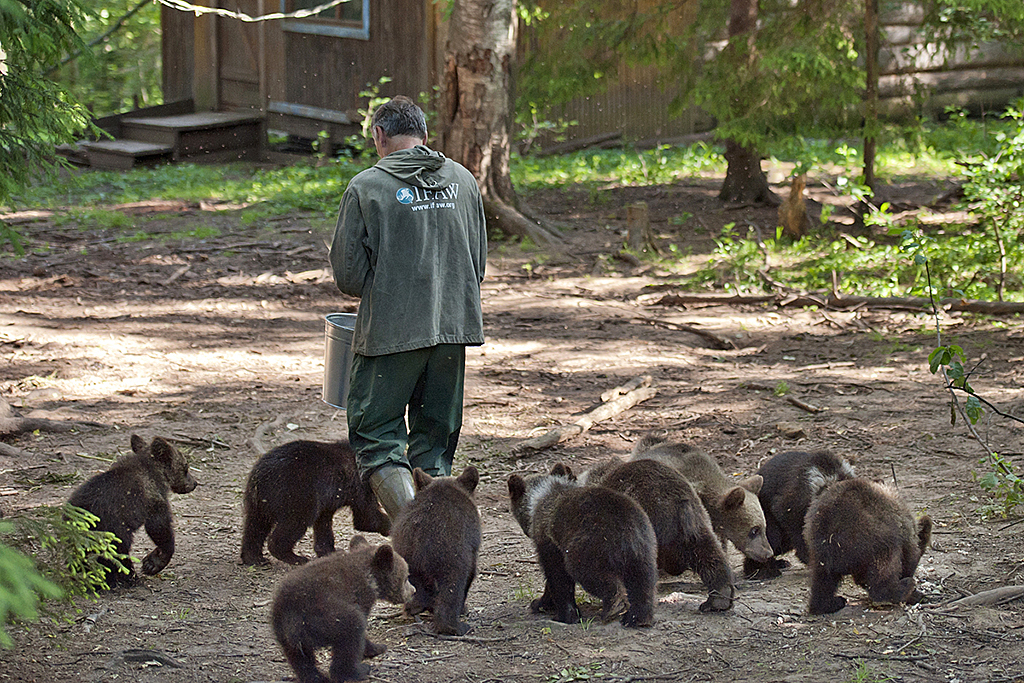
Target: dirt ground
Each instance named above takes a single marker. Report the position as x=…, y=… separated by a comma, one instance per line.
x=218, y=344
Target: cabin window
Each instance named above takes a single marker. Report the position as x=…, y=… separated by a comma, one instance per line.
x=347, y=19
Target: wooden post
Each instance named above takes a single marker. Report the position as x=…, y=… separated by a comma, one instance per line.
x=204, y=86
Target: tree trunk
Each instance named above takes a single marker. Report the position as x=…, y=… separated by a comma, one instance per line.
x=476, y=112
x=871, y=90
x=744, y=180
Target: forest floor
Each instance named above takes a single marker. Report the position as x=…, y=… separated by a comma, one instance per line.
x=218, y=343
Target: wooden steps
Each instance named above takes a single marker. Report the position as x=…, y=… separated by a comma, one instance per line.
x=202, y=136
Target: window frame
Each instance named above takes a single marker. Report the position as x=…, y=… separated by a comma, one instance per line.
x=328, y=27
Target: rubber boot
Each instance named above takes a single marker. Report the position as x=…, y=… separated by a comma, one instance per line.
x=393, y=487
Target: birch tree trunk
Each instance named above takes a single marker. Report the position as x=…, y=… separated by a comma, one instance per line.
x=476, y=111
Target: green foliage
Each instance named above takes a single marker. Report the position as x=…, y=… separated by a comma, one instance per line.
x=122, y=71
x=592, y=168
x=1003, y=483
x=35, y=112
x=66, y=548
x=762, y=89
x=994, y=192
x=570, y=674
x=362, y=144
x=21, y=587
x=950, y=359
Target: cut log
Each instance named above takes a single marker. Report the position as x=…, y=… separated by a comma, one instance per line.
x=603, y=412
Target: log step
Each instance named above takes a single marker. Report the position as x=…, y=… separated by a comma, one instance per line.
x=125, y=154
x=202, y=134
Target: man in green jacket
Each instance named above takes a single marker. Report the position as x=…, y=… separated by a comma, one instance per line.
x=411, y=242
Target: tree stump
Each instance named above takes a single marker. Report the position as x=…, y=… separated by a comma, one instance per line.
x=638, y=223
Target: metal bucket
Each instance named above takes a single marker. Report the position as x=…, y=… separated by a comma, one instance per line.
x=337, y=357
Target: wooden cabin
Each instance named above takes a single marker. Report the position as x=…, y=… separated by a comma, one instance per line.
x=304, y=75
x=223, y=75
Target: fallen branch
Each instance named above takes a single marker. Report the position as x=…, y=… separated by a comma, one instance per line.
x=847, y=302
x=602, y=412
x=989, y=598
x=804, y=406
x=257, y=442
x=13, y=423
x=635, y=383
x=717, y=342
x=12, y=451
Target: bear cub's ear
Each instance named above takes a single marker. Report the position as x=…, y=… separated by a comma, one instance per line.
x=469, y=478
x=384, y=559
x=357, y=542
x=924, y=532
x=562, y=470
x=733, y=498
x=161, y=450
x=753, y=484
x=421, y=479
x=516, y=487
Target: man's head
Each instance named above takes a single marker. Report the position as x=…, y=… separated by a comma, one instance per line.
x=398, y=124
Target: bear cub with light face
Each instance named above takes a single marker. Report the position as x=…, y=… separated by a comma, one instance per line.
x=438, y=533
x=298, y=485
x=862, y=529
x=599, y=538
x=135, y=492
x=326, y=602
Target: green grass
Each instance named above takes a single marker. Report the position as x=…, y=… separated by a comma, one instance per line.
x=962, y=259
x=300, y=187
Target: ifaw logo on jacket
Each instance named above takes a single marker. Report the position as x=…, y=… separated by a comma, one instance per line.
x=422, y=199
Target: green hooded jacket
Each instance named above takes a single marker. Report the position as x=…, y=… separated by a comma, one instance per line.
x=411, y=242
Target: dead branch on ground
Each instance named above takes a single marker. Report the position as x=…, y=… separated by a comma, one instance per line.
x=12, y=423
x=605, y=411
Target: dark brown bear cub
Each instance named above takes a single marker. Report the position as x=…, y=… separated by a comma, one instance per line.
x=859, y=528
x=298, y=485
x=135, y=492
x=792, y=480
x=438, y=534
x=681, y=524
x=326, y=603
x=599, y=538
x=733, y=507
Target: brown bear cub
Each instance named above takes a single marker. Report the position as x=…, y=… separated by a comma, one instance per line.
x=734, y=509
x=438, y=534
x=326, y=603
x=298, y=485
x=681, y=524
x=599, y=538
x=859, y=528
x=792, y=480
x=135, y=492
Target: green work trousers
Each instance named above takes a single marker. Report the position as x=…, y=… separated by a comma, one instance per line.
x=429, y=384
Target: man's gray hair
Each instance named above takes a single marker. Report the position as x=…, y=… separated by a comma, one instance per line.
x=400, y=116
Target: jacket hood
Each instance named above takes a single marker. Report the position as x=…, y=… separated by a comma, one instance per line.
x=419, y=166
